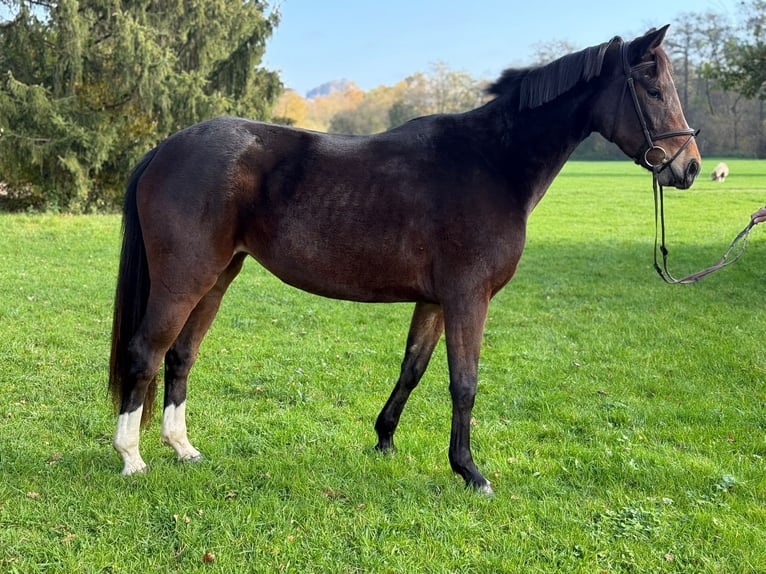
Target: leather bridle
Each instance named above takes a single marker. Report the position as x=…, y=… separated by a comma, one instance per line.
x=656, y=158
x=656, y=165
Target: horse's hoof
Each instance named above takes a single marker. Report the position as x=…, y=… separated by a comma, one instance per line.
x=140, y=468
x=192, y=456
x=385, y=448
x=486, y=490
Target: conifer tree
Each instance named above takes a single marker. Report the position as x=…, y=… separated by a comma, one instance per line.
x=88, y=86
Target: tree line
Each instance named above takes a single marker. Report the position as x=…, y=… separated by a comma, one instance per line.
x=88, y=86
x=346, y=108
x=719, y=71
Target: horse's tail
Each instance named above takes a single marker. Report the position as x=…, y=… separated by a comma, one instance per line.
x=130, y=297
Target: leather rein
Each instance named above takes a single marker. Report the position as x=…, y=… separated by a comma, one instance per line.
x=656, y=158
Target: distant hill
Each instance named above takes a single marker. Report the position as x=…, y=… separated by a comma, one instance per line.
x=328, y=88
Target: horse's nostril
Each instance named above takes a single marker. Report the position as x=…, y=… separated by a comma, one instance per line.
x=693, y=168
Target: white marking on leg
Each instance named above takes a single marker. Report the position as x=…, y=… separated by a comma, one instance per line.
x=487, y=489
x=126, y=441
x=174, y=432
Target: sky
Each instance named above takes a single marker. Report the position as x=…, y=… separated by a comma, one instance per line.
x=380, y=42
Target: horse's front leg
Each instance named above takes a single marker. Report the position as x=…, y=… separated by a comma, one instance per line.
x=464, y=328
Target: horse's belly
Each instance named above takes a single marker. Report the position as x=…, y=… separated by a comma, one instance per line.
x=343, y=274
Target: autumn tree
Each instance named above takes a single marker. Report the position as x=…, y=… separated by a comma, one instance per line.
x=322, y=109
x=371, y=115
x=87, y=86
x=290, y=109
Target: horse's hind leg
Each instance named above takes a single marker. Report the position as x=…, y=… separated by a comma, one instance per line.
x=164, y=318
x=425, y=330
x=180, y=358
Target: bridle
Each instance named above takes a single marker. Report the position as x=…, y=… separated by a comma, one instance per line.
x=656, y=158
x=652, y=149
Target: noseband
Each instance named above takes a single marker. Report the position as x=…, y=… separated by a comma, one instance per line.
x=656, y=158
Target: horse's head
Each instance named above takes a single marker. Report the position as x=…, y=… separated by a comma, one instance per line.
x=639, y=110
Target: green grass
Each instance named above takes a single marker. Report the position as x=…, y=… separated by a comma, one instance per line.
x=621, y=421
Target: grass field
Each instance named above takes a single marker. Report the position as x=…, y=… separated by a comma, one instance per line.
x=621, y=421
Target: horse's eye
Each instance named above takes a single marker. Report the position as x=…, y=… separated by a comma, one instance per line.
x=654, y=93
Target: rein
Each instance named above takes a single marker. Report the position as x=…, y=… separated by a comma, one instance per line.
x=656, y=158
x=659, y=243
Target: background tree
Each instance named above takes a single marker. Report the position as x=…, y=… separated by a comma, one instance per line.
x=740, y=70
x=545, y=52
x=441, y=91
x=743, y=65
x=87, y=86
x=290, y=109
x=371, y=115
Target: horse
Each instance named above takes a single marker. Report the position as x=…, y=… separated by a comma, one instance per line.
x=720, y=173
x=432, y=212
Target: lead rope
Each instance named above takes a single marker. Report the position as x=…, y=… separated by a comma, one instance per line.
x=657, y=168
x=659, y=228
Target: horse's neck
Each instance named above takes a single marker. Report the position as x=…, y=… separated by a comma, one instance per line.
x=535, y=144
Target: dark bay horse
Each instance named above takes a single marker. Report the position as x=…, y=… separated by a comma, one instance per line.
x=432, y=212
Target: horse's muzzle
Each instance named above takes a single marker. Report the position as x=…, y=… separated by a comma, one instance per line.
x=678, y=174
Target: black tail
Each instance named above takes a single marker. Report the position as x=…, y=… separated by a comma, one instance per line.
x=131, y=297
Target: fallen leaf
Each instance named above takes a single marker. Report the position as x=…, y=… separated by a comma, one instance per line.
x=669, y=557
x=208, y=557
x=33, y=495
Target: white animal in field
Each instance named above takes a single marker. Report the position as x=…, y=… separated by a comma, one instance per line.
x=720, y=172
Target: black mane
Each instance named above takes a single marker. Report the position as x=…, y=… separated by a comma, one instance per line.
x=538, y=85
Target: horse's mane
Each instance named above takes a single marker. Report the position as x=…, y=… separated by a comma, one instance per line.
x=538, y=85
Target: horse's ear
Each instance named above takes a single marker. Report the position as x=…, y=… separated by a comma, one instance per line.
x=642, y=48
